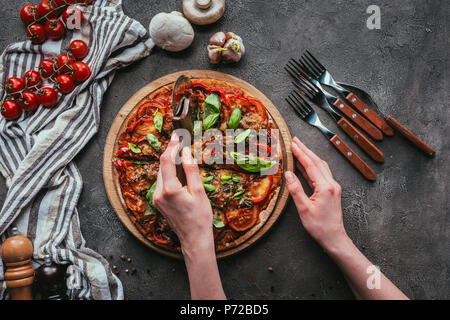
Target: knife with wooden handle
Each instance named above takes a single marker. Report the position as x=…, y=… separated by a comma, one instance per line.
x=354, y=159
x=410, y=136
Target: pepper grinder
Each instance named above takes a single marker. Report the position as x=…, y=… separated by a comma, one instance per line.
x=17, y=251
x=50, y=280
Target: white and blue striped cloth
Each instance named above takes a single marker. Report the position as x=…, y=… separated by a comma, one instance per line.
x=37, y=150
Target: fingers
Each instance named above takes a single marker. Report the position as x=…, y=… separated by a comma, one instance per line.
x=193, y=179
x=167, y=166
x=313, y=172
x=295, y=188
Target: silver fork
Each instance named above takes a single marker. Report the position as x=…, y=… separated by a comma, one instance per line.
x=325, y=99
x=306, y=87
x=320, y=73
x=308, y=114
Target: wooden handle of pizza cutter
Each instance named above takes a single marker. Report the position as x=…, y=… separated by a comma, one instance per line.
x=354, y=159
x=362, y=122
x=410, y=136
x=361, y=140
x=370, y=114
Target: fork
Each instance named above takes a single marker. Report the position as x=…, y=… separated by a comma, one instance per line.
x=307, y=113
x=305, y=87
x=320, y=73
x=325, y=99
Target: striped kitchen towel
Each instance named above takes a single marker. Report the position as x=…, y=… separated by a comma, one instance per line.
x=37, y=150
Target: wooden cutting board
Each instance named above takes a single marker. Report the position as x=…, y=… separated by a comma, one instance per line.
x=111, y=180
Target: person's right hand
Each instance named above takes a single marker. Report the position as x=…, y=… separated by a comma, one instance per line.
x=321, y=214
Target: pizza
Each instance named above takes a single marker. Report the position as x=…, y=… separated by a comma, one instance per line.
x=242, y=195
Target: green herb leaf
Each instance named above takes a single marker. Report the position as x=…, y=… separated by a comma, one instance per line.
x=210, y=121
x=134, y=148
x=209, y=187
x=251, y=163
x=212, y=103
x=217, y=222
x=149, y=196
x=242, y=136
x=208, y=179
x=239, y=194
x=225, y=177
x=154, y=142
x=236, y=179
x=235, y=118
x=158, y=120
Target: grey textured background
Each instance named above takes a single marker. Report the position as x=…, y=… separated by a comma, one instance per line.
x=401, y=222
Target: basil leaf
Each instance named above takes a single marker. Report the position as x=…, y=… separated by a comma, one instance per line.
x=149, y=196
x=246, y=162
x=154, y=142
x=209, y=187
x=217, y=222
x=236, y=179
x=235, y=118
x=225, y=177
x=239, y=194
x=158, y=120
x=242, y=136
x=208, y=179
x=212, y=103
x=134, y=148
x=210, y=120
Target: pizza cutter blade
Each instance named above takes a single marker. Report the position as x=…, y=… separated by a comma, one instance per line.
x=182, y=113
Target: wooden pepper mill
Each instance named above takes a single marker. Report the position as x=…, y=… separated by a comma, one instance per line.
x=50, y=280
x=17, y=251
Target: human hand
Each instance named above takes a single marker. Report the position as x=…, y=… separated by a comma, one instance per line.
x=186, y=208
x=321, y=214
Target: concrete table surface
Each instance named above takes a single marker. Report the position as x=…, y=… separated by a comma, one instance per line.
x=401, y=222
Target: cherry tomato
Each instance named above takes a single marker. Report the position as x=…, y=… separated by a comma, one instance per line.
x=28, y=101
x=14, y=85
x=54, y=29
x=78, y=48
x=65, y=62
x=46, y=68
x=45, y=8
x=72, y=15
x=10, y=110
x=47, y=97
x=31, y=78
x=65, y=83
x=82, y=71
x=36, y=33
x=27, y=13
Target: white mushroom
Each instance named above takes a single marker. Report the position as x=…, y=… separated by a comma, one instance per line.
x=225, y=48
x=203, y=11
x=171, y=31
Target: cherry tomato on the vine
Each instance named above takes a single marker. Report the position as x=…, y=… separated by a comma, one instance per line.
x=81, y=71
x=64, y=83
x=14, y=85
x=54, y=29
x=36, y=33
x=31, y=78
x=45, y=7
x=47, y=97
x=46, y=68
x=27, y=13
x=71, y=16
x=10, y=110
x=65, y=62
x=79, y=49
x=28, y=101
